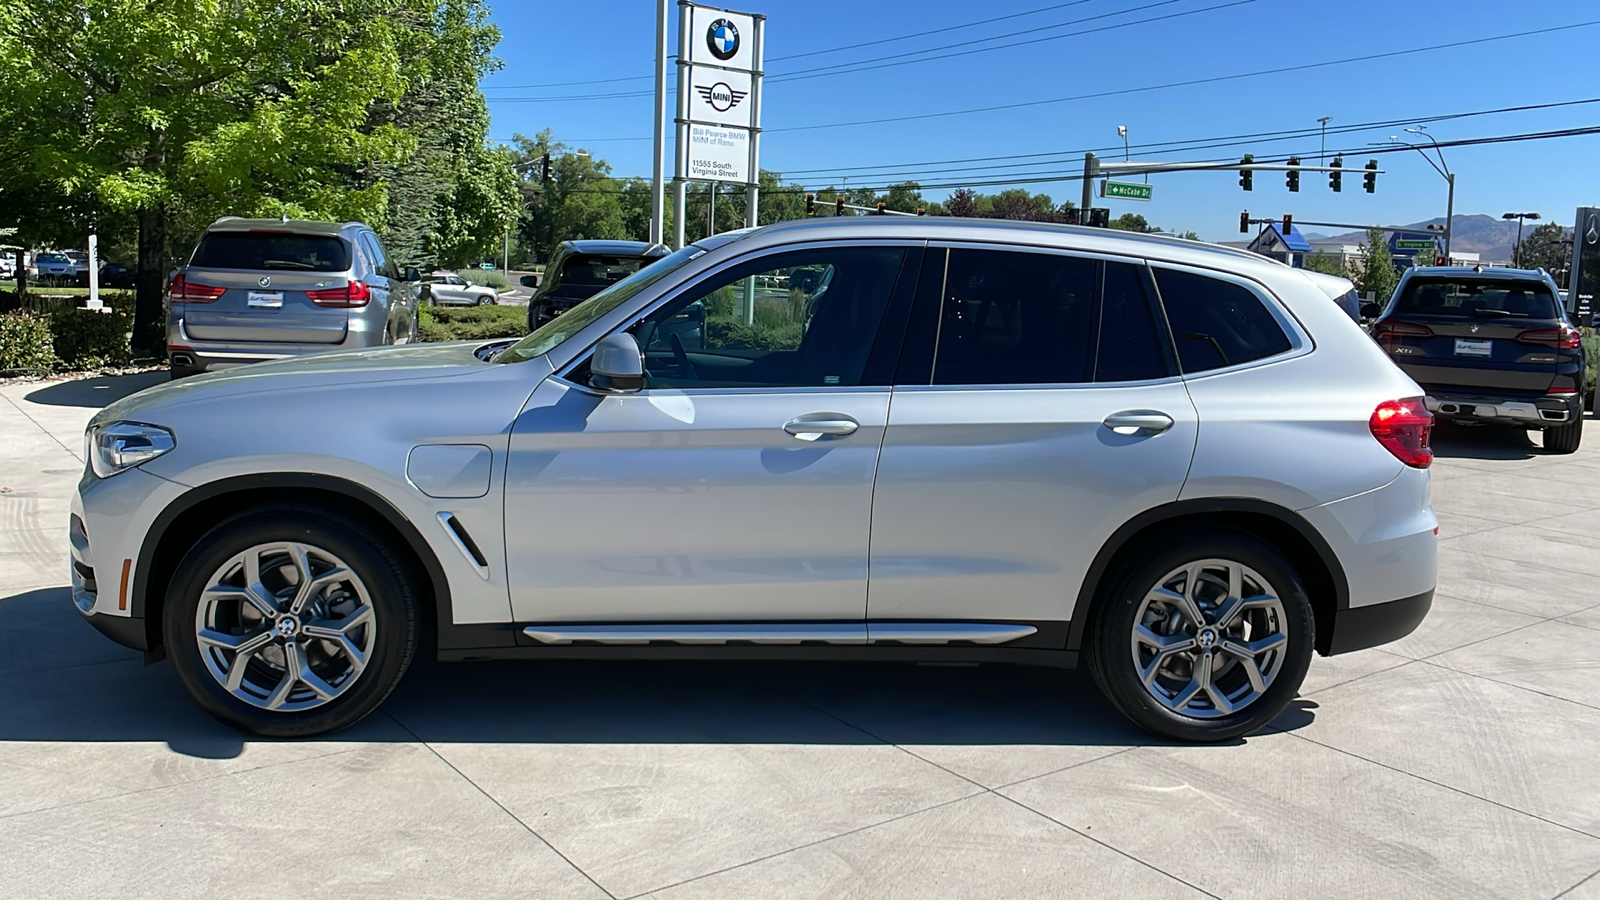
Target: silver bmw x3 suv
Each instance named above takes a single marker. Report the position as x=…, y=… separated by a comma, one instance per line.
x=877, y=439
x=260, y=289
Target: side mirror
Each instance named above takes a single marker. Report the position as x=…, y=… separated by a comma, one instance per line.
x=617, y=365
x=411, y=274
x=1371, y=310
x=530, y=281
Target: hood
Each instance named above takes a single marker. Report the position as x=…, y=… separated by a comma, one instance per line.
x=378, y=364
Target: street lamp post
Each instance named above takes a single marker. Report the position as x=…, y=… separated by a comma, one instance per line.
x=1516, y=252
x=1444, y=171
x=1323, y=159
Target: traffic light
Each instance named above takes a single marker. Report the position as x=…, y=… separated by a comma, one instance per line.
x=1439, y=261
x=1336, y=178
x=1288, y=224
x=1074, y=216
x=922, y=210
x=545, y=178
x=838, y=206
x=1099, y=217
x=1293, y=175
x=882, y=206
x=1244, y=222
x=1370, y=180
x=811, y=204
x=1247, y=177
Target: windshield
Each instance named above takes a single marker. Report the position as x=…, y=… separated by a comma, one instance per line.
x=271, y=249
x=52, y=258
x=552, y=333
x=1477, y=298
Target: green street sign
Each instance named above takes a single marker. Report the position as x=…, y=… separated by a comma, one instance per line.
x=1122, y=190
x=1414, y=245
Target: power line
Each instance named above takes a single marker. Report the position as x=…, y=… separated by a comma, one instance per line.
x=1197, y=81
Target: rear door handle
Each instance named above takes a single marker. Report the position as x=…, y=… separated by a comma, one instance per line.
x=810, y=427
x=1137, y=421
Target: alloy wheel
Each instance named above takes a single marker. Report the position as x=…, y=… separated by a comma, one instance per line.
x=1209, y=638
x=285, y=626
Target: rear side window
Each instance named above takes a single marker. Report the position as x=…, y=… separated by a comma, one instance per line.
x=1010, y=317
x=1217, y=323
x=1473, y=298
x=271, y=250
x=1130, y=344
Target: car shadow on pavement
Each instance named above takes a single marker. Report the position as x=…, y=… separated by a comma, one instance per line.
x=1452, y=441
x=60, y=681
x=97, y=392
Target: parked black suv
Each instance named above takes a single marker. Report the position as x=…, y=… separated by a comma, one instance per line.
x=1489, y=346
x=581, y=269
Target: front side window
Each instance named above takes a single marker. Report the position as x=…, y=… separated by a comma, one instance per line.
x=1011, y=317
x=1217, y=323
x=806, y=318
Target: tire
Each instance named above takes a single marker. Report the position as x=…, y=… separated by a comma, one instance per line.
x=1116, y=654
x=1564, y=439
x=364, y=613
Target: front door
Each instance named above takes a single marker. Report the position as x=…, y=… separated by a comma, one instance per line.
x=1047, y=414
x=737, y=485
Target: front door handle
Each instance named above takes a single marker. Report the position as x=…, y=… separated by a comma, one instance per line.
x=810, y=427
x=1138, y=421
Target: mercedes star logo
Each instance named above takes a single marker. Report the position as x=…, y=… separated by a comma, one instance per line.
x=266, y=281
x=1591, y=234
x=723, y=39
x=721, y=97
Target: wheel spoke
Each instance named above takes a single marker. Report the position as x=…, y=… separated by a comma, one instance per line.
x=1183, y=602
x=1197, y=683
x=311, y=680
x=1235, y=583
x=1253, y=649
x=1237, y=605
x=280, y=694
x=237, y=643
x=1165, y=646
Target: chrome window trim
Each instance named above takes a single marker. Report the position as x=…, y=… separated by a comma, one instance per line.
x=1300, y=343
x=664, y=296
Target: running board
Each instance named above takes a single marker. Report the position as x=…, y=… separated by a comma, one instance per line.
x=920, y=633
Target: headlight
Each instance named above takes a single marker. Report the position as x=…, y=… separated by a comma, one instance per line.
x=123, y=445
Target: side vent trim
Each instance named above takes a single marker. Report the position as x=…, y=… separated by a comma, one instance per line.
x=464, y=543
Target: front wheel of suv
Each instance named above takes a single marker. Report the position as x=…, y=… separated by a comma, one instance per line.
x=290, y=621
x=1564, y=439
x=1204, y=639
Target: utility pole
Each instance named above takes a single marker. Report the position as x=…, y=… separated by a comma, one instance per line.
x=1091, y=168
x=1516, y=252
x=658, y=183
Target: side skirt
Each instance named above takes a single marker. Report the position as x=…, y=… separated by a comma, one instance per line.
x=948, y=655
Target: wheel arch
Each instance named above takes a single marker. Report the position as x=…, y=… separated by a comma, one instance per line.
x=184, y=520
x=1305, y=548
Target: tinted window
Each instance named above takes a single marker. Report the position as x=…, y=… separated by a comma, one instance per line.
x=599, y=271
x=1015, y=318
x=1217, y=323
x=379, y=257
x=271, y=250
x=1130, y=344
x=1477, y=299
x=802, y=319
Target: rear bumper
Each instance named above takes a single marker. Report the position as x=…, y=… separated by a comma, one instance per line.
x=1555, y=409
x=183, y=351
x=1361, y=627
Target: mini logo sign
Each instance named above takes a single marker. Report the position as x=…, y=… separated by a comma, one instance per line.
x=723, y=39
x=265, y=281
x=721, y=97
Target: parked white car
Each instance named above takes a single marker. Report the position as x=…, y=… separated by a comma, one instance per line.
x=450, y=289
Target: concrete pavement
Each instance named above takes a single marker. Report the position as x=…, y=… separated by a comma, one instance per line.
x=1458, y=762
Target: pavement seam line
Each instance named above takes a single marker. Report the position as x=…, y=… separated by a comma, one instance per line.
x=177, y=784
x=47, y=432
x=1406, y=662
x=1440, y=784
x=1580, y=884
x=1520, y=687
x=492, y=799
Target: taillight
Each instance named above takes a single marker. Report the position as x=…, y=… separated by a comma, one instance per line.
x=1401, y=329
x=186, y=291
x=354, y=293
x=1403, y=427
x=1564, y=338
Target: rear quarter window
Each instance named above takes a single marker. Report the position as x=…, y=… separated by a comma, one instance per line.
x=272, y=250
x=1217, y=323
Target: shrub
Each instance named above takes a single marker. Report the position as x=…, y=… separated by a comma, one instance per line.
x=25, y=343
x=737, y=335
x=458, y=323
x=495, y=280
x=88, y=339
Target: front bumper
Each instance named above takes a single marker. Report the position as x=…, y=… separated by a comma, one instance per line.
x=110, y=518
x=1361, y=627
x=1550, y=410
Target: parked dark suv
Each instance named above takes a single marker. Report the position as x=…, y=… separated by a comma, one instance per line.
x=1489, y=346
x=581, y=269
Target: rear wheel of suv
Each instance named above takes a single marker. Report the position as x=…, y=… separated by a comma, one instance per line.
x=290, y=621
x=1205, y=639
x=1564, y=439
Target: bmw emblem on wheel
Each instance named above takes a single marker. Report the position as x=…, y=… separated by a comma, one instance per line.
x=723, y=39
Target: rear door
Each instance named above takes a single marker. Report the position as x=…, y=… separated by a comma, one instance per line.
x=265, y=274
x=1465, y=334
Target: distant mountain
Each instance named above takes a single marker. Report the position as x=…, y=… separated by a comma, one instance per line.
x=1487, y=236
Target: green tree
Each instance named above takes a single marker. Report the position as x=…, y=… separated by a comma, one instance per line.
x=1319, y=261
x=1133, y=222
x=1190, y=235
x=1546, y=247
x=1374, y=267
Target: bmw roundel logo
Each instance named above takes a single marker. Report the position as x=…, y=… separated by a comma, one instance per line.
x=265, y=281
x=723, y=39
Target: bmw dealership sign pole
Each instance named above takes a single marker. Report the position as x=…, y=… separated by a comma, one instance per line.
x=719, y=103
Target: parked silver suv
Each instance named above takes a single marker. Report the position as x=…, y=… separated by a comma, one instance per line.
x=260, y=289
x=880, y=439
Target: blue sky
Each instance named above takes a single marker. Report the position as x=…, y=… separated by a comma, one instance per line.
x=544, y=43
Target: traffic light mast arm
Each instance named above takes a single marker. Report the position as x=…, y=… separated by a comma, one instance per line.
x=1107, y=168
